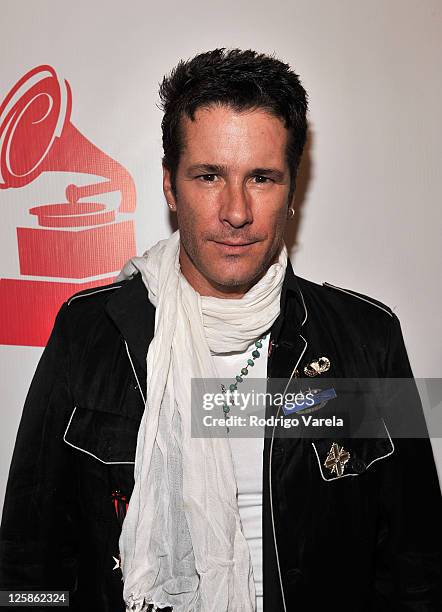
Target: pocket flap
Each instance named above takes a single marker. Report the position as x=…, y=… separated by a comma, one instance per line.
x=351, y=456
x=106, y=437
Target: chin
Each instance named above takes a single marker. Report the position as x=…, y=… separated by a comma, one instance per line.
x=229, y=279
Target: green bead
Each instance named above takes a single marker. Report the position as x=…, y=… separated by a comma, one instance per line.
x=238, y=378
x=226, y=409
x=232, y=387
x=258, y=344
x=255, y=354
x=244, y=371
x=250, y=362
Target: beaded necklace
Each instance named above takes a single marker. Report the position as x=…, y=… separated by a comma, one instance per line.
x=244, y=372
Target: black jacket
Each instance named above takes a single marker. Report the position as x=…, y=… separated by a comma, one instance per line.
x=368, y=542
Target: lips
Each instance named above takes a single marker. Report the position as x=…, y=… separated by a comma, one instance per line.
x=234, y=244
x=230, y=244
x=233, y=248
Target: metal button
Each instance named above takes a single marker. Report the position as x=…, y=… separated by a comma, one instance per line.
x=278, y=450
x=359, y=466
x=294, y=576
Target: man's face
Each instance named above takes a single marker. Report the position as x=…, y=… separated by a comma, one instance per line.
x=232, y=187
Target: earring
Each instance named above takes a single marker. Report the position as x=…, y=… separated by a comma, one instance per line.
x=290, y=213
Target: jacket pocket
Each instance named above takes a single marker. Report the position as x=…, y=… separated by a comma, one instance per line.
x=338, y=458
x=105, y=436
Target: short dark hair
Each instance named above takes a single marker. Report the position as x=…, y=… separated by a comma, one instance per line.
x=242, y=80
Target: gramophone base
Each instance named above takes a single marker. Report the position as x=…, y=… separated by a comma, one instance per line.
x=75, y=253
x=29, y=308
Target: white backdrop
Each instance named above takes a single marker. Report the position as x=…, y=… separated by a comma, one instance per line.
x=369, y=214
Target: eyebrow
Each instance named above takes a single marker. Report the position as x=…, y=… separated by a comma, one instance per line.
x=221, y=169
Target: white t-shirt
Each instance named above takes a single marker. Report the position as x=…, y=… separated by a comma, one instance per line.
x=248, y=457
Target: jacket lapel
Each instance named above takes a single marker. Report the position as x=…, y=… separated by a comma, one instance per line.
x=287, y=344
x=134, y=315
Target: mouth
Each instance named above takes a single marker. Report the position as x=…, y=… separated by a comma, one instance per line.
x=234, y=247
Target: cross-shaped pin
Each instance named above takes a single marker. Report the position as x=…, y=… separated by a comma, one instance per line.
x=336, y=459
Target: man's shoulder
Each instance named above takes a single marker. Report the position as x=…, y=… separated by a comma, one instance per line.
x=94, y=296
x=87, y=308
x=121, y=306
x=342, y=300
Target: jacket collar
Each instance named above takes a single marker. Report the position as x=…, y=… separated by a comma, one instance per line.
x=134, y=315
x=293, y=311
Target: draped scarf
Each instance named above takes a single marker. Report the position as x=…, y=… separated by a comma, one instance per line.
x=181, y=543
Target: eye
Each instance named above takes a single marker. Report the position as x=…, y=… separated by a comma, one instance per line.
x=206, y=178
x=262, y=180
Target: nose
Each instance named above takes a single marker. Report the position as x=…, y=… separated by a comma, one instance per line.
x=235, y=209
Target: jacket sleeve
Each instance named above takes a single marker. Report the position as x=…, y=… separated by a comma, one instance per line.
x=38, y=529
x=408, y=561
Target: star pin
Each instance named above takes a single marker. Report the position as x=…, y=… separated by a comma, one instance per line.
x=336, y=459
x=117, y=563
x=317, y=366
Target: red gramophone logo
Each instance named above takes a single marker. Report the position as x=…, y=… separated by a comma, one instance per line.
x=67, y=244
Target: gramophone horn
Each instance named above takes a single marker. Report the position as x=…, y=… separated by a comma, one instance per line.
x=36, y=136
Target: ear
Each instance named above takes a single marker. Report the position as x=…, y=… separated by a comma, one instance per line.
x=167, y=189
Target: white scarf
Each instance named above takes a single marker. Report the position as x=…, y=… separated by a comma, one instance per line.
x=181, y=544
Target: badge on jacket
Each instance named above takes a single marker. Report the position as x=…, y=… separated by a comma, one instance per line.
x=317, y=366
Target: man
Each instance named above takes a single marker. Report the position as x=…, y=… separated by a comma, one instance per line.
x=219, y=297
